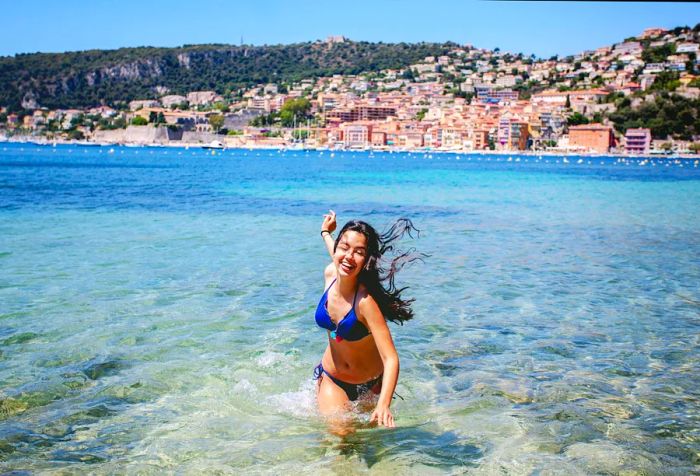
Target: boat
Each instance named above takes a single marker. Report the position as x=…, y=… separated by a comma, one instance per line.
x=215, y=144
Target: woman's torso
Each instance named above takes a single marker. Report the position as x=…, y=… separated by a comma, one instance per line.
x=351, y=361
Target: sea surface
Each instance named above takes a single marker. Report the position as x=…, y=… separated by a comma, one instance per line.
x=156, y=312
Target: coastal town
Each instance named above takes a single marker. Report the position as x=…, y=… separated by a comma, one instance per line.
x=470, y=99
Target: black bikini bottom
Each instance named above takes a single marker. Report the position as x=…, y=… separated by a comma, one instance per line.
x=352, y=390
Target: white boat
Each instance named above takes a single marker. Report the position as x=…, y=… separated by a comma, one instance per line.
x=215, y=144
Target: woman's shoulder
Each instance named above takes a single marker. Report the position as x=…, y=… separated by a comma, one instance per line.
x=329, y=272
x=364, y=298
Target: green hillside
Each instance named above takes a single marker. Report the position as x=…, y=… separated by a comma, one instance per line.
x=90, y=78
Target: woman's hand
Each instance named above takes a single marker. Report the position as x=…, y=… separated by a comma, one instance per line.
x=382, y=415
x=329, y=222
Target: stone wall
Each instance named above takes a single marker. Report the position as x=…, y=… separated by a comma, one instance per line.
x=138, y=135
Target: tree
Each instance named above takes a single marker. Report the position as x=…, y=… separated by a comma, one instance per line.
x=119, y=123
x=75, y=134
x=576, y=119
x=294, y=111
x=667, y=115
x=139, y=121
x=658, y=54
x=666, y=81
x=221, y=106
x=216, y=122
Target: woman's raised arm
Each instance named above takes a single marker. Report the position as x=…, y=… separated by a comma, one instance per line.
x=327, y=228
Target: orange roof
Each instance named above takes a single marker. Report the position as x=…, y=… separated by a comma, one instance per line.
x=578, y=91
x=587, y=127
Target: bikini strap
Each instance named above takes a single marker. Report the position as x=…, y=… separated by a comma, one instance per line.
x=354, y=298
x=329, y=286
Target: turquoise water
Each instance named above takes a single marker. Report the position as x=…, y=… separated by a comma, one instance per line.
x=156, y=312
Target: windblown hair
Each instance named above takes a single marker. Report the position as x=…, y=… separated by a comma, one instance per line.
x=377, y=274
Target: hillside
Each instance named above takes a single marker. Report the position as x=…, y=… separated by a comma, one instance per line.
x=90, y=78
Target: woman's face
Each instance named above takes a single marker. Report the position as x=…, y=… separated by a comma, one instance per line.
x=351, y=253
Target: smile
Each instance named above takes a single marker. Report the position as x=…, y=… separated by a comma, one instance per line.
x=346, y=267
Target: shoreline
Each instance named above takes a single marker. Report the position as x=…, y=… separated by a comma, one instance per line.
x=383, y=149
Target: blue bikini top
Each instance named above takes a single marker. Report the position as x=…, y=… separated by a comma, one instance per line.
x=349, y=327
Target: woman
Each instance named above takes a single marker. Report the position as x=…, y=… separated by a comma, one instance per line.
x=354, y=310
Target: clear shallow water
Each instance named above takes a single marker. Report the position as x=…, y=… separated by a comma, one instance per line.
x=156, y=312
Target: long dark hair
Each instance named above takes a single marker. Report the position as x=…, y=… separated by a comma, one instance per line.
x=377, y=275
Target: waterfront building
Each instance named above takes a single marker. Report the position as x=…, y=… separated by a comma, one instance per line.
x=592, y=137
x=378, y=138
x=512, y=134
x=410, y=140
x=186, y=120
x=480, y=139
x=356, y=135
x=637, y=141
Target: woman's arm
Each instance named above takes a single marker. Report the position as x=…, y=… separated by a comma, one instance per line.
x=385, y=345
x=329, y=225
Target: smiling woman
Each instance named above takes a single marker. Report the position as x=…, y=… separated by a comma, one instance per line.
x=360, y=359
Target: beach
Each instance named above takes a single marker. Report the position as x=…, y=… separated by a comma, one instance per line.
x=158, y=311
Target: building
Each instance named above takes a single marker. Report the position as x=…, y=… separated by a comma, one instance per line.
x=592, y=137
x=12, y=120
x=172, y=100
x=508, y=80
x=498, y=95
x=141, y=103
x=378, y=138
x=202, y=98
x=637, y=141
x=687, y=48
x=361, y=113
x=480, y=139
x=653, y=32
x=628, y=48
x=356, y=135
x=512, y=134
x=259, y=102
x=576, y=98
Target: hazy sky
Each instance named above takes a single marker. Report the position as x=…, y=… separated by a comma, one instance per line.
x=543, y=28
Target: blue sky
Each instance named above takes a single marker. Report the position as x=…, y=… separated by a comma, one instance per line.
x=542, y=28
